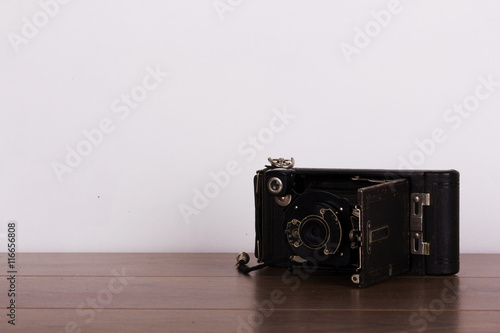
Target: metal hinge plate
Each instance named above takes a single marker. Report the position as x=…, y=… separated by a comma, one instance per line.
x=417, y=203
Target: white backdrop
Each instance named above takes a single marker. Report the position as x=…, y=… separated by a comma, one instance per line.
x=116, y=115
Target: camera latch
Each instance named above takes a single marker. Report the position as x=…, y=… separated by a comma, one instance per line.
x=281, y=163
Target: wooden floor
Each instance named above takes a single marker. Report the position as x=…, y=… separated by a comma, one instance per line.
x=204, y=293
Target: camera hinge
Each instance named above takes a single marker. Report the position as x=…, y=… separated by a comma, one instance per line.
x=417, y=203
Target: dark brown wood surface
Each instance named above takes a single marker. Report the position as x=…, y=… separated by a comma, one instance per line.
x=153, y=292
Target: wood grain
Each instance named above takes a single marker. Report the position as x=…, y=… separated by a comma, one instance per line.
x=133, y=321
x=185, y=264
x=122, y=292
x=244, y=293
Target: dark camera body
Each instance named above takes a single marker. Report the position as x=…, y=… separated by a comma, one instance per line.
x=371, y=224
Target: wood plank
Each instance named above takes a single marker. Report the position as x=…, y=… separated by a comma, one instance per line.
x=244, y=321
x=204, y=292
x=314, y=292
x=183, y=264
x=136, y=264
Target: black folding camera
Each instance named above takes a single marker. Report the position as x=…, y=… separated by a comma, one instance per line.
x=371, y=224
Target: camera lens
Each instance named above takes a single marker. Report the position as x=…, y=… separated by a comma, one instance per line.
x=275, y=185
x=314, y=232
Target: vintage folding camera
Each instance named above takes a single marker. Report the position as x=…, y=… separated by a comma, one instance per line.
x=370, y=224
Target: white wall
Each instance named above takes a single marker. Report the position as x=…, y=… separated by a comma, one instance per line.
x=229, y=73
